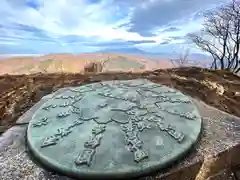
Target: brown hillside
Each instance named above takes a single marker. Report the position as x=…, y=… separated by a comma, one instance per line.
x=8, y=65
x=216, y=88
x=54, y=63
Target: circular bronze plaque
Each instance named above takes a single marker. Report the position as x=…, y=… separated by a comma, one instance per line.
x=113, y=129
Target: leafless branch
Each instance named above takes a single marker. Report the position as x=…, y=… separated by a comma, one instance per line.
x=221, y=36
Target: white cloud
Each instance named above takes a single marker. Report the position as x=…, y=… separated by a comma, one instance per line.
x=102, y=21
x=2, y=42
x=75, y=18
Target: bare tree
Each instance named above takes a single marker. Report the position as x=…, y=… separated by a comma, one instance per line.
x=104, y=63
x=95, y=66
x=221, y=36
x=182, y=60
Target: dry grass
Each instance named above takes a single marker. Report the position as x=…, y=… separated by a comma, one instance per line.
x=216, y=88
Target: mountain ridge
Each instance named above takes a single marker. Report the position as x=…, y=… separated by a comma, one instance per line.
x=192, y=56
x=74, y=63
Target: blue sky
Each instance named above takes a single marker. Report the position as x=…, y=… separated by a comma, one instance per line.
x=75, y=26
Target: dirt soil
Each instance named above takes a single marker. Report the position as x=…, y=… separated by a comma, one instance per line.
x=18, y=93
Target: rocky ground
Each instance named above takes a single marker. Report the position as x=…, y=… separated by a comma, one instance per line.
x=219, y=89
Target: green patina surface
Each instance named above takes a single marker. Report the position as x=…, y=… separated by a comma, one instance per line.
x=113, y=129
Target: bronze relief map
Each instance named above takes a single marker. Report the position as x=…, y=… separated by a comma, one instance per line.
x=113, y=128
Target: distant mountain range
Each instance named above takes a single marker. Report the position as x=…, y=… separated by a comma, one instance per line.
x=124, y=51
x=74, y=63
x=127, y=59
x=192, y=56
x=127, y=50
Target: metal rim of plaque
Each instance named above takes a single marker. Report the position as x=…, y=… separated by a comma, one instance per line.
x=113, y=129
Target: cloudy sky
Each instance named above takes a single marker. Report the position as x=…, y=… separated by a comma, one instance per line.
x=75, y=26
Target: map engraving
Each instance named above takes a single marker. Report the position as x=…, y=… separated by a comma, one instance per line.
x=134, y=108
x=133, y=142
x=179, y=136
x=40, y=123
x=85, y=157
x=49, y=141
x=53, y=140
x=60, y=134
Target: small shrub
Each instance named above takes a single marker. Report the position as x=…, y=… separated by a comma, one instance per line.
x=94, y=67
